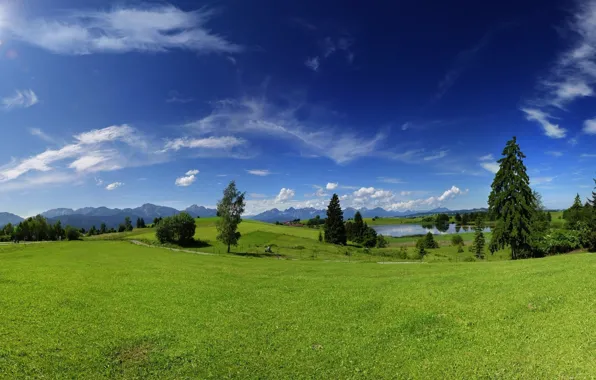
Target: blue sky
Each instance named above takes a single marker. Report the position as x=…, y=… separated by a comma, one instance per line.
x=402, y=106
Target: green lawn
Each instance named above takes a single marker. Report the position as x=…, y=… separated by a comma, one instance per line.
x=110, y=309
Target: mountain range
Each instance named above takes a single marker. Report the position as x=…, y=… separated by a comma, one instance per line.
x=94, y=216
x=275, y=215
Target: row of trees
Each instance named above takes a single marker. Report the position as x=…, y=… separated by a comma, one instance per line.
x=38, y=229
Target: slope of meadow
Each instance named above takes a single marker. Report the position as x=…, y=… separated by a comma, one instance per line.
x=100, y=309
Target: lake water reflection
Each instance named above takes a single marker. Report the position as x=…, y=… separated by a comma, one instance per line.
x=399, y=230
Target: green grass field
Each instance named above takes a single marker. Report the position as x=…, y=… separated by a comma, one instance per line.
x=301, y=243
x=110, y=309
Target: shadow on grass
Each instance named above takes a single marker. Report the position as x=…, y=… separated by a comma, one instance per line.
x=194, y=243
x=259, y=255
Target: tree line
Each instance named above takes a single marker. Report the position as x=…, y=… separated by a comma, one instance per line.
x=38, y=229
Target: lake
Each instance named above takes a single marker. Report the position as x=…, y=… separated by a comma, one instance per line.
x=399, y=230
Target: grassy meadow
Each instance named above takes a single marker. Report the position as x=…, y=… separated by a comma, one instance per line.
x=111, y=309
x=301, y=243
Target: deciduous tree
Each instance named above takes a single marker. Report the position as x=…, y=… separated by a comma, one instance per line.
x=230, y=209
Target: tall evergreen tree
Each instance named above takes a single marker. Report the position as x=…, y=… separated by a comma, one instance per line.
x=335, y=230
x=359, y=228
x=511, y=203
x=479, y=240
x=593, y=200
x=230, y=209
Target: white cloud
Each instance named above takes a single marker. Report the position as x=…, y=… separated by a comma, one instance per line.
x=492, y=167
x=114, y=186
x=192, y=172
x=590, y=127
x=428, y=202
x=382, y=194
x=285, y=195
x=259, y=172
x=405, y=193
x=331, y=186
x=186, y=180
x=86, y=154
x=488, y=157
x=364, y=191
x=225, y=142
x=94, y=162
x=41, y=134
x=157, y=29
x=436, y=156
x=550, y=130
x=176, y=97
x=588, y=155
x=98, y=181
x=250, y=116
x=312, y=63
x=554, y=153
x=21, y=99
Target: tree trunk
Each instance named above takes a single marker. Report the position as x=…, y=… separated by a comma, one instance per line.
x=228, y=248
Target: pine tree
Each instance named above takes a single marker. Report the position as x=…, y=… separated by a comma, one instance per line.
x=479, y=240
x=359, y=229
x=230, y=209
x=593, y=200
x=511, y=203
x=335, y=230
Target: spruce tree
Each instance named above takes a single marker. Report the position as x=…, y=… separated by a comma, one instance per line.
x=511, y=203
x=359, y=229
x=592, y=201
x=479, y=240
x=335, y=230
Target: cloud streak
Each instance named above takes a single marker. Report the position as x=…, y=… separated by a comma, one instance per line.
x=156, y=29
x=20, y=99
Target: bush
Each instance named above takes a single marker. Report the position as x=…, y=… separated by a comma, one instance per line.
x=382, y=242
x=72, y=233
x=430, y=242
x=558, y=241
x=178, y=229
x=457, y=240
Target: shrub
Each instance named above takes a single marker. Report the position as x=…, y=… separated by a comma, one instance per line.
x=176, y=229
x=457, y=240
x=382, y=242
x=430, y=242
x=72, y=233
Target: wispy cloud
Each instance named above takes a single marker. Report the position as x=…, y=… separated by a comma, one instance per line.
x=251, y=116
x=536, y=181
x=313, y=63
x=461, y=62
x=21, y=99
x=259, y=172
x=488, y=157
x=225, y=142
x=42, y=135
x=554, y=153
x=257, y=195
x=157, y=28
x=550, y=130
x=114, y=186
x=590, y=127
x=176, y=97
x=588, y=155
x=436, y=156
x=90, y=152
x=331, y=186
x=390, y=180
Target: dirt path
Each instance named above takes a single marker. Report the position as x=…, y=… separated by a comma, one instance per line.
x=171, y=249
